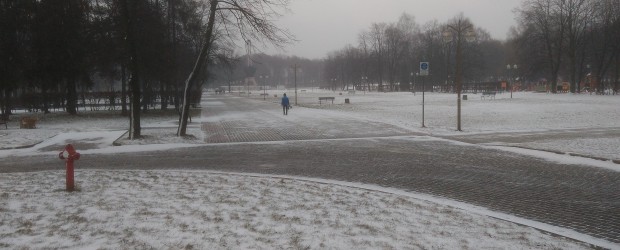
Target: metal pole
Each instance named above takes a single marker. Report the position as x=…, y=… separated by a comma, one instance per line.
x=364, y=80
x=459, y=78
x=264, y=90
x=510, y=81
x=423, y=102
x=295, y=84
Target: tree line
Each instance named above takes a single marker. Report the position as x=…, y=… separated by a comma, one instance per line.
x=51, y=48
x=61, y=47
x=571, y=40
x=56, y=50
x=574, y=41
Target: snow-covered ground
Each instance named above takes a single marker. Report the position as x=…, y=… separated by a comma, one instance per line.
x=209, y=210
x=184, y=209
x=526, y=112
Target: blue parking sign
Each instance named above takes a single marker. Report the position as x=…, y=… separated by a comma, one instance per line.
x=424, y=67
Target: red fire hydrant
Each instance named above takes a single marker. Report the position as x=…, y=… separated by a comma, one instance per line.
x=69, y=155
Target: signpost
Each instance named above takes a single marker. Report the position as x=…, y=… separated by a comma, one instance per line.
x=424, y=68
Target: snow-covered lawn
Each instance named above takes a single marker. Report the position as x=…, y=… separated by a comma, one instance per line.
x=209, y=210
x=526, y=112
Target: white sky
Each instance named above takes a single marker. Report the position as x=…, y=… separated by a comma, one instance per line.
x=322, y=26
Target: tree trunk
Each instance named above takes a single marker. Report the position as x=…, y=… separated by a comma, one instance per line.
x=202, y=57
x=617, y=78
x=134, y=81
x=6, y=103
x=163, y=98
x=71, y=96
x=146, y=96
x=45, y=100
x=123, y=91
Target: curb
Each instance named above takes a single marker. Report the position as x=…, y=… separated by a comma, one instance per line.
x=616, y=161
x=22, y=146
x=116, y=143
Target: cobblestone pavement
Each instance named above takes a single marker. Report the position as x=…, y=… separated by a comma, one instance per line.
x=521, y=137
x=242, y=120
x=527, y=139
x=585, y=199
x=515, y=184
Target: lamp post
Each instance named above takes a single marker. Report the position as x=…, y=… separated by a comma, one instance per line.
x=364, y=79
x=460, y=29
x=295, y=67
x=412, y=83
x=264, y=87
x=423, y=90
x=508, y=67
x=260, y=81
x=589, y=78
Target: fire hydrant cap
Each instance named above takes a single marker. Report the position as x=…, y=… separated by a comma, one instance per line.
x=69, y=153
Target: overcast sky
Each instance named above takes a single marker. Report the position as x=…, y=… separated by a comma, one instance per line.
x=322, y=26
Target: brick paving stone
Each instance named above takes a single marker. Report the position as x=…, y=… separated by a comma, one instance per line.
x=582, y=198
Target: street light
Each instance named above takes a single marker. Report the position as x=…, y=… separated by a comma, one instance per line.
x=295, y=67
x=456, y=32
x=364, y=79
x=589, y=78
x=264, y=88
x=509, y=78
x=412, y=83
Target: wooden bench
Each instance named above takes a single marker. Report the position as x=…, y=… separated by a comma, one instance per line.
x=326, y=98
x=351, y=92
x=4, y=118
x=489, y=94
x=28, y=122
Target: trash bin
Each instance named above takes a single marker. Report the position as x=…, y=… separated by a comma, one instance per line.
x=464, y=97
x=346, y=100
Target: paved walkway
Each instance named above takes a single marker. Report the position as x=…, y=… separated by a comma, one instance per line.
x=234, y=119
x=582, y=198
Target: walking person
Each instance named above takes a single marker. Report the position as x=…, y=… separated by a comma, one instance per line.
x=285, y=104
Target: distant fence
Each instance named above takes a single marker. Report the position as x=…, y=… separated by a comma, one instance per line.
x=34, y=102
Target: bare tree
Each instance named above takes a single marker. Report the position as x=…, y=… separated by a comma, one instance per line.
x=577, y=16
x=364, y=46
x=129, y=11
x=547, y=20
x=604, y=34
x=250, y=20
x=407, y=63
x=377, y=43
x=395, y=48
x=430, y=48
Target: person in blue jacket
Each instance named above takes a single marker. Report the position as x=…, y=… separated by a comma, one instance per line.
x=285, y=104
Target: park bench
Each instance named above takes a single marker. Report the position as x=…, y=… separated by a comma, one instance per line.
x=351, y=92
x=326, y=98
x=4, y=118
x=28, y=122
x=488, y=94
